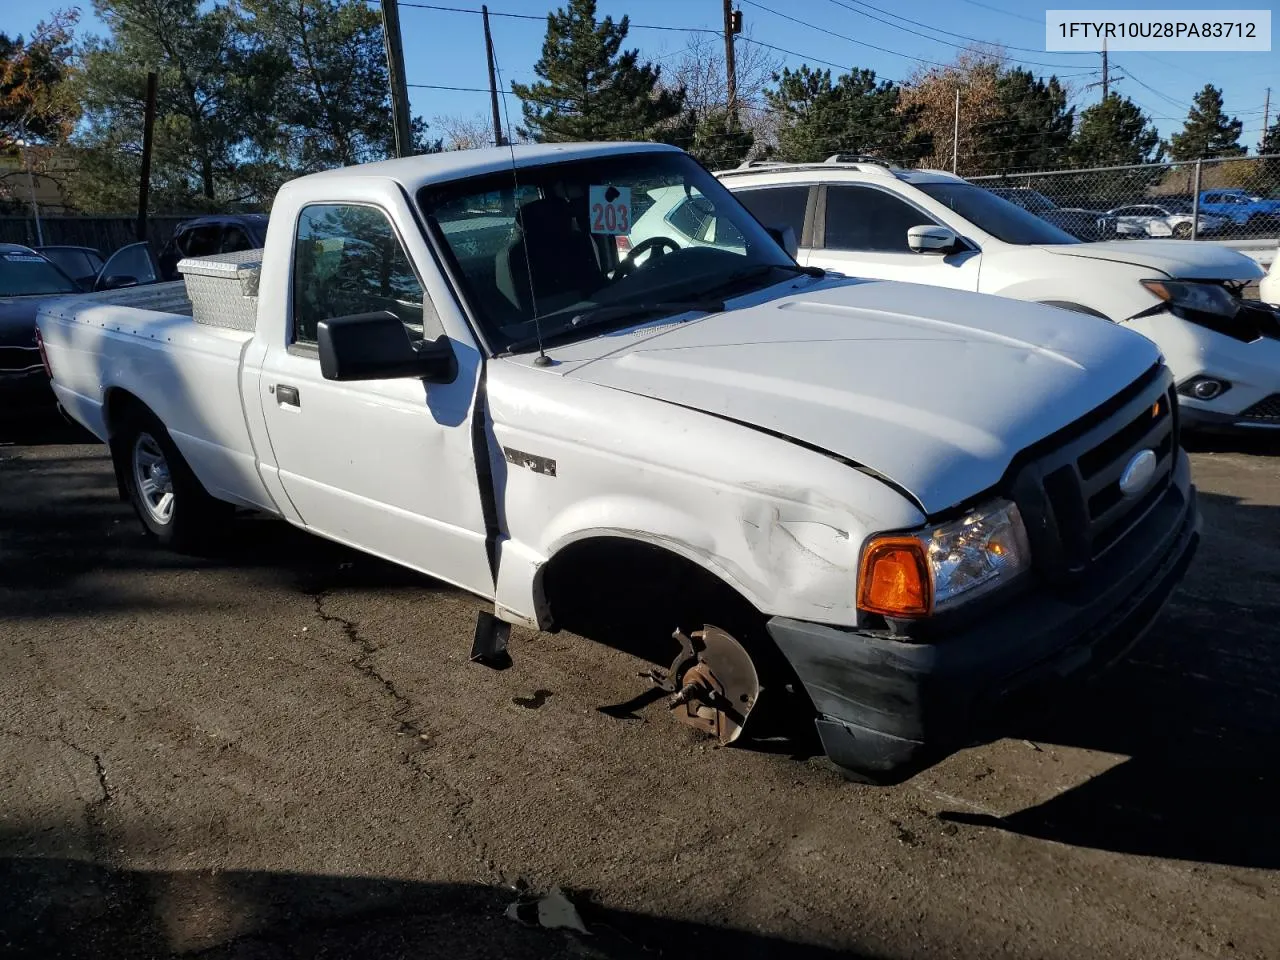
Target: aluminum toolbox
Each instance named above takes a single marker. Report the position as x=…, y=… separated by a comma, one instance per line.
x=224, y=288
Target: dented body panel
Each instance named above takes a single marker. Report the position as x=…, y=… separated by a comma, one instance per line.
x=763, y=439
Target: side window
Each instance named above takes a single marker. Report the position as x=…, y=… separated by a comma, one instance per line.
x=348, y=260
x=779, y=207
x=692, y=217
x=234, y=239
x=201, y=241
x=863, y=218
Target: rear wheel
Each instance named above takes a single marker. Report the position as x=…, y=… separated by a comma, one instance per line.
x=168, y=499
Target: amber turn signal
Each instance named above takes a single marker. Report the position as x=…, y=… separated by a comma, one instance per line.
x=894, y=578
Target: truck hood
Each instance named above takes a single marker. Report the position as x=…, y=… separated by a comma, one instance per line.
x=1179, y=259
x=935, y=389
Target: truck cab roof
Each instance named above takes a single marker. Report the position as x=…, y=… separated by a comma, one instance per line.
x=413, y=173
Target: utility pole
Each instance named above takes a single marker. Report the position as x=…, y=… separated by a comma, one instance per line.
x=955, y=136
x=732, y=26
x=1106, y=75
x=395, y=78
x=498, y=138
x=148, y=136
x=1266, y=119
x=24, y=145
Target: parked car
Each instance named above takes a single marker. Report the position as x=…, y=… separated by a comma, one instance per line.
x=1087, y=225
x=27, y=278
x=81, y=264
x=1269, y=286
x=908, y=505
x=1168, y=218
x=203, y=236
x=935, y=228
x=1238, y=206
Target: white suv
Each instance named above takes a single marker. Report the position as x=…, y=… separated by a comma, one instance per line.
x=867, y=219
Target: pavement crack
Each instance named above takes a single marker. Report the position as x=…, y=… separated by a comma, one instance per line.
x=407, y=726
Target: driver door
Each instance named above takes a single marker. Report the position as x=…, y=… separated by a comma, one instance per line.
x=383, y=465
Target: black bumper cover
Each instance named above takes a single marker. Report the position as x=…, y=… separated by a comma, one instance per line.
x=887, y=708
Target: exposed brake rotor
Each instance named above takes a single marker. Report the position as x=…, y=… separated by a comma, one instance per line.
x=712, y=682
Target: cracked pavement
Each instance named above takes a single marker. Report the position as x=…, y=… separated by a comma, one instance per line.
x=283, y=751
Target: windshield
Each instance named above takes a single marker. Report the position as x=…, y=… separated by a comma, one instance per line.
x=1003, y=220
x=617, y=231
x=24, y=273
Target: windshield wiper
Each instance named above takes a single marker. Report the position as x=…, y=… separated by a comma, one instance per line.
x=763, y=270
x=612, y=313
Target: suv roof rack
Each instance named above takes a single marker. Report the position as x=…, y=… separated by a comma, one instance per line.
x=858, y=158
x=749, y=164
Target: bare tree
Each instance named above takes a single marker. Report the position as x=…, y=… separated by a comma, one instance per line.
x=464, y=133
x=700, y=69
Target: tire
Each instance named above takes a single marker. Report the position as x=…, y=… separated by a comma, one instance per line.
x=173, y=506
x=1182, y=231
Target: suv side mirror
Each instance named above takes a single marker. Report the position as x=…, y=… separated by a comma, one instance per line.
x=786, y=239
x=932, y=238
x=376, y=346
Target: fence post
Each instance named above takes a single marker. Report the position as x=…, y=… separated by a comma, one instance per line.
x=1195, y=205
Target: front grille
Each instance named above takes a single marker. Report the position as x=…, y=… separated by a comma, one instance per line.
x=19, y=359
x=1266, y=410
x=1070, y=495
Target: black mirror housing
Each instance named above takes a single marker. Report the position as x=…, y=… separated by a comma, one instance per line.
x=785, y=237
x=376, y=346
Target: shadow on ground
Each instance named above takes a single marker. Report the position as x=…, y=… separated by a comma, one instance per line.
x=1196, y=709
x=69, y=909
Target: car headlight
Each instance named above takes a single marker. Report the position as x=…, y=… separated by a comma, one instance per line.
x=929, y=571
x=1201, y=297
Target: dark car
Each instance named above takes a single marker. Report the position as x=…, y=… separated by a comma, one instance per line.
x=203, y=236
x=1087, y=225
x=81, y=264
x=27, y=279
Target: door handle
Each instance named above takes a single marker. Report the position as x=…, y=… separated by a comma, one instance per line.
x=287, y=395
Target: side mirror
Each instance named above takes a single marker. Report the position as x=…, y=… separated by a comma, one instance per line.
x=376, y=346
x=932, y=239
x=786, y=239
x=115, y=282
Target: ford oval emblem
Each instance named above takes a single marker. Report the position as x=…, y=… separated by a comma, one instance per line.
x=1138, y=472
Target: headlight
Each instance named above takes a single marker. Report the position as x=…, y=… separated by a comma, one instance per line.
x=1202, y=297
x=914, y=575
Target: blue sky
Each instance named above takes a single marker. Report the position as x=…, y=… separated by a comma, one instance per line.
x=447, y=48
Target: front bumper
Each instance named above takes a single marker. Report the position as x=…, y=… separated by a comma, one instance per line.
x=887, y=708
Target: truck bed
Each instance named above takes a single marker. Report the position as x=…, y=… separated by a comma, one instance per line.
x=143, y=341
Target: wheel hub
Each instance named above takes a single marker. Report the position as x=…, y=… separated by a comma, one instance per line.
x=713, y=683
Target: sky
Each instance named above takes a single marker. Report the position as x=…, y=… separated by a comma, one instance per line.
x=444, y=48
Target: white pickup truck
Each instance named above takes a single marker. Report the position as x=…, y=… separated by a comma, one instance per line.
x=901, y=509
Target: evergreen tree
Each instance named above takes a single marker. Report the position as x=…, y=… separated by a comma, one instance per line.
x=211, y=95
x=716, y=144
x=1269, y=170
x=591, y=89
x=853, y=114
x=1114, y=132
x=1033, y=127
x=331, y=106
x=1208, y=132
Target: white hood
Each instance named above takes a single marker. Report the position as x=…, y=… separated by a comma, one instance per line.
x=1179, y=259
x=935, y=389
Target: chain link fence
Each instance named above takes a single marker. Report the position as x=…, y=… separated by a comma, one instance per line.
x=1236, y=198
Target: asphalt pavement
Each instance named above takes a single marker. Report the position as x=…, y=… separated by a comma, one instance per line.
x=283, y=751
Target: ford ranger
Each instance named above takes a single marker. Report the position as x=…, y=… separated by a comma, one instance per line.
x=902, y=510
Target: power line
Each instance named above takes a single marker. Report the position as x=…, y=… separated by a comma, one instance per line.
x=949, y=33
x=1034, y=63
x=841, y=36
x=543, y=17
